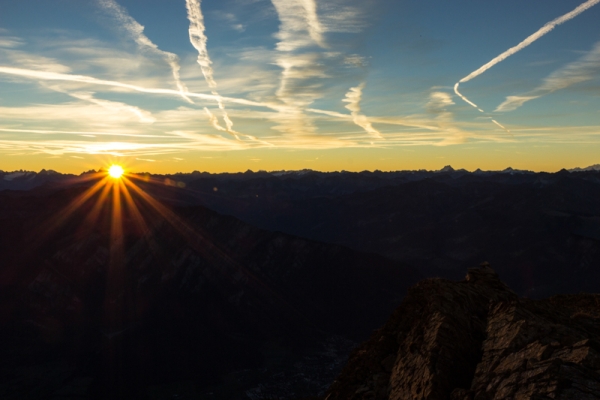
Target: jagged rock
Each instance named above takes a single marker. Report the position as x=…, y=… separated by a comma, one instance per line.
x=476, y=340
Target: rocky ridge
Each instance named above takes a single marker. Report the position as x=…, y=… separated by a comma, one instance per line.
x=477, y=340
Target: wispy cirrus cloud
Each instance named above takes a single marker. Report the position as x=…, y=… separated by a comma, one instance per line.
x=353, y=98
x=584, y=69
x=305, y=58
x=231, y=19
x=10, y=41
x=299, y=24
x=33, y=61
x=136, y=31
x=116, y=106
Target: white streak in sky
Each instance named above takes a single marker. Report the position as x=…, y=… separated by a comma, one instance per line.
x=529, y=40
x=213, y=120
x=500, y=125
x=353, y=98
x=54, y=76
x=465, y=99
x=584, y=69
x=198, y=40
x=143, y=115
x=137, y=33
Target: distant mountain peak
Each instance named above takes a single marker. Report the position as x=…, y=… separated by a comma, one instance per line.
x=447, y=168
x=595, y=167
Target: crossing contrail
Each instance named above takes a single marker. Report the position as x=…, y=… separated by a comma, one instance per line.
x=136, y=31
x=529, y=40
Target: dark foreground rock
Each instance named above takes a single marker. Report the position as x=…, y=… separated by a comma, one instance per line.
x=476, y=340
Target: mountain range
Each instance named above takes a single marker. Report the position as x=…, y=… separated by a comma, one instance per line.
x=257, y=285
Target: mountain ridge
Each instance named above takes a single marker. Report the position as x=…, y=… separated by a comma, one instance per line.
x=476, y=339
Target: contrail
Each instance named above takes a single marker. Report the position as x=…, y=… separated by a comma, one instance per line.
x=55, y=76
x=465, y=99
x=529, y=40
x=353, y=98
x=198, y=40
x=500, y=125
x=137, y=33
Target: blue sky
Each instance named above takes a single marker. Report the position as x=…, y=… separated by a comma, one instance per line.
x=165, y=85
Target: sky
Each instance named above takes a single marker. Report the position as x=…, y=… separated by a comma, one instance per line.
x=169, y=86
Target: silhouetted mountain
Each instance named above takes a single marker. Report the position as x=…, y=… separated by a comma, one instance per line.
x=272, y=285
x=595, y=167
x=95, y=299
x=543, y=229
x=25, y=180
x=476, y=339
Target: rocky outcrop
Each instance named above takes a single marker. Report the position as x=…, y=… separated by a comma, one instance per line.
x=476, y=340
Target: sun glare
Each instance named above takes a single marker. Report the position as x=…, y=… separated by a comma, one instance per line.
x=115, y=171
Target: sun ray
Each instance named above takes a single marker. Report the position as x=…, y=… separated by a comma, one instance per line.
x=58, y=220
x=196, y=240
x=93, y=216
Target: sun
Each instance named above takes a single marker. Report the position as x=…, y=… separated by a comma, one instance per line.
x=116, y=171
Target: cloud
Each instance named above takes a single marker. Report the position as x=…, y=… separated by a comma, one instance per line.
x=315, y=30
x=231, y=19
x=584, y=69
x=353, y=98
x=529, y=40
x=136, y=31
x=115, y=106
x=356, y=60
x=513, y=102
x=10, y=42
x=79, y=133
x=299, y=24
x=341, y=17
x=438, y=101
x=198, y=39
x=302, y=67
x=33, y=61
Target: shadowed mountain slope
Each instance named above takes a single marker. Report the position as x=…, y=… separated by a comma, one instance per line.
x=476, y=339
x=542, y=229
x=183, y=294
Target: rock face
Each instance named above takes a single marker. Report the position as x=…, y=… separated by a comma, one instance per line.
x=476, y=340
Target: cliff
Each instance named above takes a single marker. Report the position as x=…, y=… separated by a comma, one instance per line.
x=476, y=339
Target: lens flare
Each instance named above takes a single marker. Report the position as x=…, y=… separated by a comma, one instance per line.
x=116, y=171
